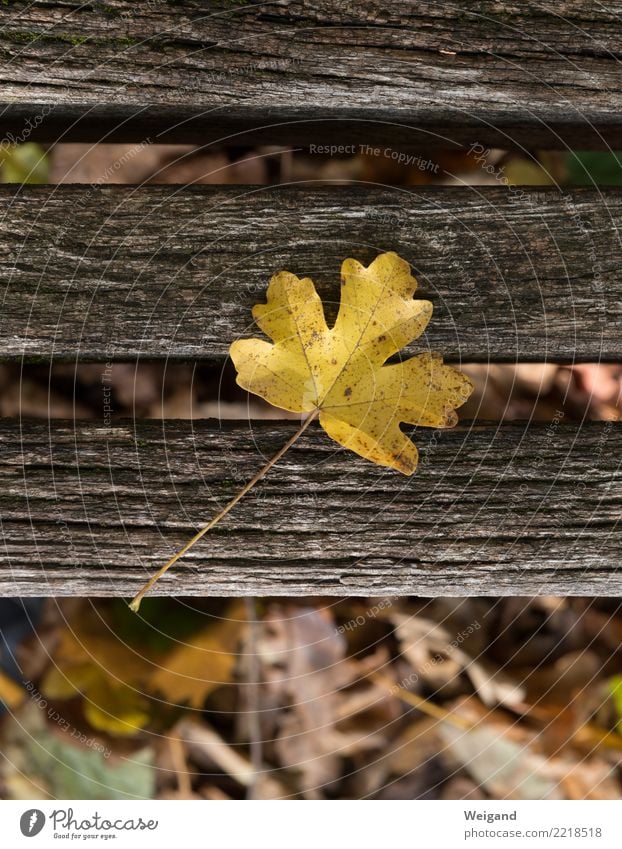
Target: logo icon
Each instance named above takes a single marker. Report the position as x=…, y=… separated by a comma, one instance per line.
x=32, y=822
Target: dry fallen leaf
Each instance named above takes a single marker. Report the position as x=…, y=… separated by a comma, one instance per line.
x=341, y=372
x=106, y=673
x=504, y=768
x=437, y=658
x=11, y=694
x=117, y=679
x=192, y=670
x=304, y=669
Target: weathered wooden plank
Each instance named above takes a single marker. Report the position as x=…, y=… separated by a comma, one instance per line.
x=404, y=73
x=90, y=510
x=109, y=272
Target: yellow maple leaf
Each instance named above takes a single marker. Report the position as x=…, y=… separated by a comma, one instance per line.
x=341, y=373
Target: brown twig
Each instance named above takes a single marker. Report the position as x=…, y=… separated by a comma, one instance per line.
x=252, y=698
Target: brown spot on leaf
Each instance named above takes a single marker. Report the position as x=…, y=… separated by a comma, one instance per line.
x=348, y=392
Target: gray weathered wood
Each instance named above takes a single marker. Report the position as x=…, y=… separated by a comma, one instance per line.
x=404, y=73
x=88, y=510
x=106, y=273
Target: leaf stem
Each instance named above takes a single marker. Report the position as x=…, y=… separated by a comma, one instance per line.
x=135, y=603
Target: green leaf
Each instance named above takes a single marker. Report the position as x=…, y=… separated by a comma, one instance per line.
x=57, y=766
x=589, y=168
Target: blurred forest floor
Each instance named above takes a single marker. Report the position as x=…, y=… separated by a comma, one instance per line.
x=480, y=698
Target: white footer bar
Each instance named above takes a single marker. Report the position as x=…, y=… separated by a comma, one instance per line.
x=311, y=825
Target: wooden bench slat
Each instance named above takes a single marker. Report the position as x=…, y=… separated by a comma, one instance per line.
x=111, y=272
x=89, y=510
x=309, y=72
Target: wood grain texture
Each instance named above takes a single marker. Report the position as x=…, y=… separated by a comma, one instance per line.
x=105, y=273
x=90, y=510
x=404, y=73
